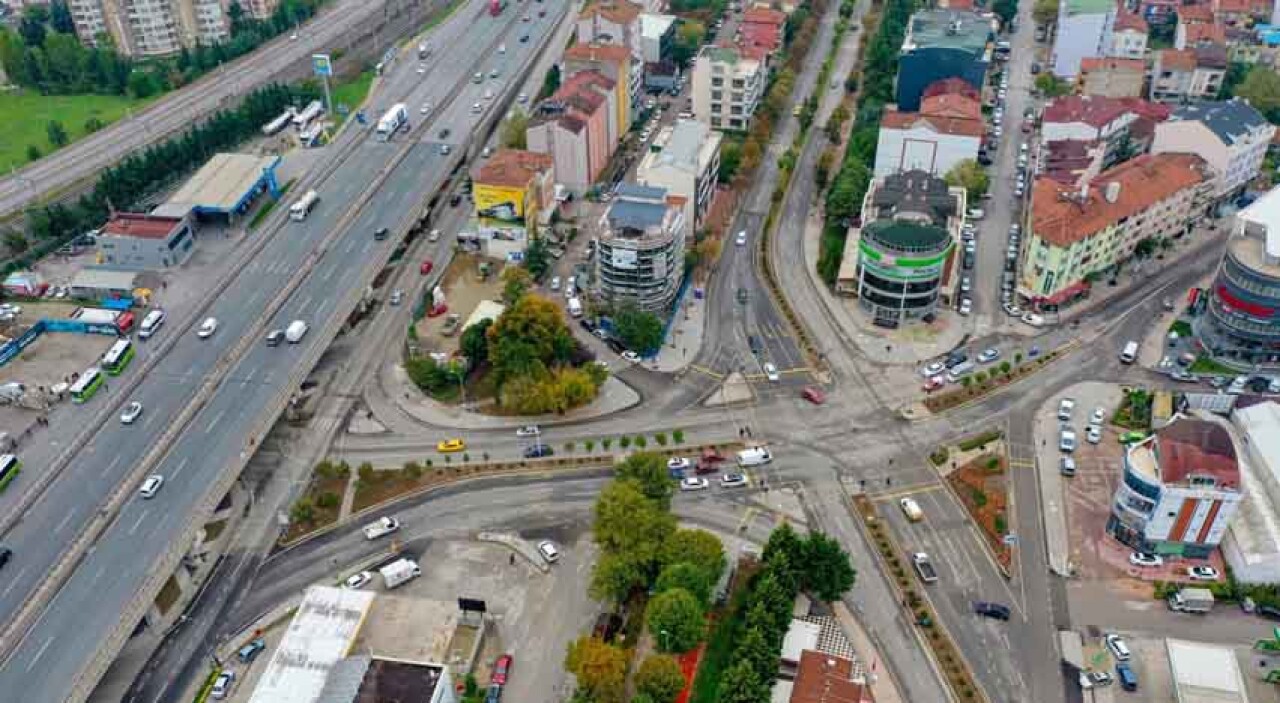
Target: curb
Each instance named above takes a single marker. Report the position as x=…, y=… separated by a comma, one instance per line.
x=1061, y=353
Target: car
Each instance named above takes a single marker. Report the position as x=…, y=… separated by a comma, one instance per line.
x=1098, y=416
x=501, y=668
x=1219, y=382
x=426, y=107
x=966, y=306
x=1067, y=441
x=522, y=98
x=994, y=611
x=1012, y=310
x=450, y=445
x=1203, y=573
x=1115, y=644
x=131, y=413
x=933, y=369
x=1035, y=69
x=502, y=48
x=494, y=695
x=679, y=463
x=1184, y=376
x=222, y=684
x=421, y=69
x=426, y=266
x=355, y=581
x=151, y=486
x=988, y=356
x=1100, y=678
x=528, y=18
x=380, y=234
x=771, y=372
x=630, y=356
x=1093, y=434
x=1066, y=406
x=397, y=297
x=1066, y=466
x=528, y=431
x=455, y=200
x=741, y=239
x=733, y=480
x=966, y=284
x=555, y=283
x=814, y=395
x=275, y=337
x=250, y=651
x=933, y=383
x=693, y=483
x=538, y=451
x=524, y=38
x=742, y=296
x=444, y=133
x=1144, y=559
x=207, y=328
x=549, y=551
x=5, y=555
x=911, y=509
x=493, y=73
x=1132, y=436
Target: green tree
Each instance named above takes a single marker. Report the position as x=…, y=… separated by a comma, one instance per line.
x=1051, y=86
x=629, y=522
x=660, y=678
x=616, y=576
x=649, y=472
x=827, y=572
x=33, y=152
x=1006, y=10
x=697, y=547
x=675, y=620
x=638, y=329
x=1045, y=11
x=969, y=175
x=550, y=83
x=688, y=39
x=92, y=125
x=730, y=159
x=537, y=259
x=474, y=343
x=143, y=85
x=15, y=242
x=528, y=338
x=57, y=133
x=600, y=668
x=687, y=576
x=516, y=281
x=60, y=17
x=1262, y=89
x=514, y=129
x=742, y=683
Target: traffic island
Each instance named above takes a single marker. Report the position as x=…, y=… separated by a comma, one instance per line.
x=985, y=383
x=976, y=470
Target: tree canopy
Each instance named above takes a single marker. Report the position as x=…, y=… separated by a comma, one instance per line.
x=1261, y=87
x=638, y=329
x=649, y=472
x=676, y=620
x=600, y=668
x=514, y=129
x=970, y=175
x=659, y=678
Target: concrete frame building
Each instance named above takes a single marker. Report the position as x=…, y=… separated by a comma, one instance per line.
x=641, y=248
x=1183, y=75
x=942, y=44
x=577, y=126
x=139, y=242
x=727, y=87
x=1111, y=77
x=948, y=129
x=685, y=159
x=1230, y=135
x=153, y=28
x=1179, y=490
x=616, y=63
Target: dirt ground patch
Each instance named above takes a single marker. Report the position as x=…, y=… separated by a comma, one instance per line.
x=983, y=488
x=464, y=288
x=53, y=357
x=323, y=502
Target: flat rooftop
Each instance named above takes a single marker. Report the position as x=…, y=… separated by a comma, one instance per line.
x=948, y=29
x=410, y=629
x=321, y=633
x=224, y=182
x=1205, y=673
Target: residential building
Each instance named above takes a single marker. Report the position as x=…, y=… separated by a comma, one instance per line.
x=900, y=260
x=1072, y=162
x=140, y=242
x=948, y=129
x=641, y=248
x=826, y=678
x=727, y=87
x=514, y=194
x=1128, y=37
x=577, y=127
x=1185, y=75
x=685, y=160
x=616, y=64
x=150, y=28
x=1158, y=10
x=761, y=29
x=614, y=22
x=657, y=36
x=1179, y=490
x=1230, y=135
x=662, y=75
x=942, y=44
x=1080, y=233
x=1084, y=29
x=1192, y=34
x=1111, y=77
x=1241, y=323
x=1124, y=126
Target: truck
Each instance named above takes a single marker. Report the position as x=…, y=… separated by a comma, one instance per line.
x=313, y=110
x=400, y=571
x=295, y=331
x=382, y=527
x=299, y=210
x=283, y=120
x=756, y=456
x=1192, y=600
x=392, y=121
x=920, y=560
x=95, y=316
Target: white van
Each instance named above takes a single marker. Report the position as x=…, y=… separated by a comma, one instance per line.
x=756, y=456
x=575, y=307
x=1130, y=353
x=295, y=331
x=151, y=323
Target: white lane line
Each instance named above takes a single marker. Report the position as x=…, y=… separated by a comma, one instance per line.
x=305, y=304
x=13, y=583
x=40, y=653
x=249, y=377
x=137, y=522
x=215, y=422
x=113, y=463
x=181, y=465
x=63, y=524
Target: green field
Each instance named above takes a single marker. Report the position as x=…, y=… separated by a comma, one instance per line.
x=26, y=115
x=352, y=94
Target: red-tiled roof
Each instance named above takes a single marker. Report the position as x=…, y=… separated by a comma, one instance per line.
x=1094, y=110
x=955, y=4
x=1060, y=218
x=1106, y=63
x=513, y=168
x=1195, y=13
x=1191, y=447
x=1130, y=20
x=128, y=224
x=951, y=105
x=949, y=85
x=1206, y=33
x=1176, y=60
x=1239, y=7
x=764, y=15
x=623, y=13
x=611, y=53
x=825, y=678
x=942, y=125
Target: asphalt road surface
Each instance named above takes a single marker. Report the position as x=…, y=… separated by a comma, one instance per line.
x=89, y=605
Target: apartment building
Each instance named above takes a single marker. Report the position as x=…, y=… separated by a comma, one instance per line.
x=1080, y=233
x=1124, y=126
x=727, y=87
x=577, y=127
x=942, y=44
x=1128, y=36
x=641, y=248
x=685, y=160
x=1186, y=75
x=612, y=22
x=657, y=38
x=948, y=129
x=616, y=63
x=152, y=28
x=1230, y=135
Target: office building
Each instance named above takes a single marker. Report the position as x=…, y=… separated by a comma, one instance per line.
x=153, y=28
x=640, y=258
x=1230, y=135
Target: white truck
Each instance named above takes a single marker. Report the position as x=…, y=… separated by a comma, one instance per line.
x=384, y=526
x=1192, y=600
x=756, y=456
x=295, y=331
x=400, y=571
x=392, y=121
x=920, y=560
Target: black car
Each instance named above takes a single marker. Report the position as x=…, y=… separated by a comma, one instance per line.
x=524, y=38
x=455, y=200
x=274, y=337
x=538, y=451
x=381, y=234
x=444, y=133
x=753, y=342
x=1269, y=612
x=956, y=358
x=587, y=325
x=615, y=346
x=5, y=555
x=991, y=610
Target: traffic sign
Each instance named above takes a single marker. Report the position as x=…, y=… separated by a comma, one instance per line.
x=321, y=65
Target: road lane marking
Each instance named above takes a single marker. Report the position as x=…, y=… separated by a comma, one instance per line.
x=215, y=421
x=181, y=465
x=305, y=304
x=249, y=376
x=138, y=522
x=39, y=654
x=13, y=583
x=904, y=492
x=61, y=525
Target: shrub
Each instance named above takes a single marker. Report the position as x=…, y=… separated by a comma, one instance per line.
x=606, y=443
x=568, y=447
x=993, y=464
x=981, y=376
x=677, y=436
x=466, y=457
x=1005, y=367
x=366, y=474
x=980, y=440
x=589, y=445
x=939, y=456
x=979, y=497
x=624, y=442
x=966, y=381
x=328, y=500
x=412, y=469
x=641, y=442
x=661, y=439
x=1000, y=525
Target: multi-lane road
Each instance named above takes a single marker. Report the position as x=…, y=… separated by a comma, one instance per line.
x=312, y=270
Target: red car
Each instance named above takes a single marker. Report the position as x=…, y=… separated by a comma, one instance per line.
x=814, y=395
x=934, y=384
x=426, y=267
x=500, y=670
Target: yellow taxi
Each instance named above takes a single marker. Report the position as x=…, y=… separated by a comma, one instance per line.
x=450, y=445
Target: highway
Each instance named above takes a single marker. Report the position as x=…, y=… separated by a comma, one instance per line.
x=117, y=572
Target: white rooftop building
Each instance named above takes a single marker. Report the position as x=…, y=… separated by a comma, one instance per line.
x=685, y=159
x=1253, y=546
x=319, y=636
x=1205, y=673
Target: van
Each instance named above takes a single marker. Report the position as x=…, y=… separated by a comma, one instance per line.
x=1128, y=679
x=756, y=456
x=222, y=685
x=295, y=331
x=959, y=371
x=575, y=307
x=1118, y=648
x=1130, y=353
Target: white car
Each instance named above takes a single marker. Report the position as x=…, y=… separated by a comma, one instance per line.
x=151, y=486
x=1067, y=441
x=548, y=550
x=1065, y=407
x=1117, y=646
x=434, y=236
x=528, y=431
x=502, y=48
x=1093, y=434
x=10, y=309
x=933, y=369
x=422, y=70
x=631, y=356
x=207, y=328
x=355, y=581
x=1033, y=319
x=1098, y=416
x=988, y=356
x=741, y=239
x=522, y=98
x=397, y=297
x=426, y=107
x=1202, y=573
x=966, y=306
x=771, y=372
x=678, y=463
x=131, y=413
x=1012, y=310
x=1142, y=559
x=222, y=685
x=733, y=480
x=555, y=283
x=693, y=483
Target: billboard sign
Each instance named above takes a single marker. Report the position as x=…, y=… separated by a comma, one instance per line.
x=322, y=65
x=624, y=258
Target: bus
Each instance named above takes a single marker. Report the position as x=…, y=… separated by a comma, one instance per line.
x=151, y=323
x=299, y=210
x=86, y=386
x=309, y=113
x=283, y=120
x=9, y=468
x=118, y=357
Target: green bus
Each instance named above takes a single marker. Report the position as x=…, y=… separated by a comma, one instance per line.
x=9, y=468
x=118, y=357
x=87, y=385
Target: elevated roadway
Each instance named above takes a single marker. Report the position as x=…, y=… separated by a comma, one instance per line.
x=207, y=400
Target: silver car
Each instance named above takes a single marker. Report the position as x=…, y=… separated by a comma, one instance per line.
x=131, y=413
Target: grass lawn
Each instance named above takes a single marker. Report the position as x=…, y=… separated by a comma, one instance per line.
x=352, y=93
x=1204, y=364
x=26, y=114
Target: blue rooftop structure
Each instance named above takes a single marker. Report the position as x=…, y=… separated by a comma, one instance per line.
x=225, y=186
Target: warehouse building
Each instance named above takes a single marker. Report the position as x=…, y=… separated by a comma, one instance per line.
x=225, y=188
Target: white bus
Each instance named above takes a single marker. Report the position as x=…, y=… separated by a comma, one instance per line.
x=9, y=468
x=279, y=123
x=309, y=113
x=299, y=210
x=151, y=323
x=118, y=357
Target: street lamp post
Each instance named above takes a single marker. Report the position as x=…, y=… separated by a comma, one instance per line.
x=666, y=639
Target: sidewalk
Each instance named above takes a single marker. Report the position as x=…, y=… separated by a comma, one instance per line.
x=685, y=338
x=883, y=688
